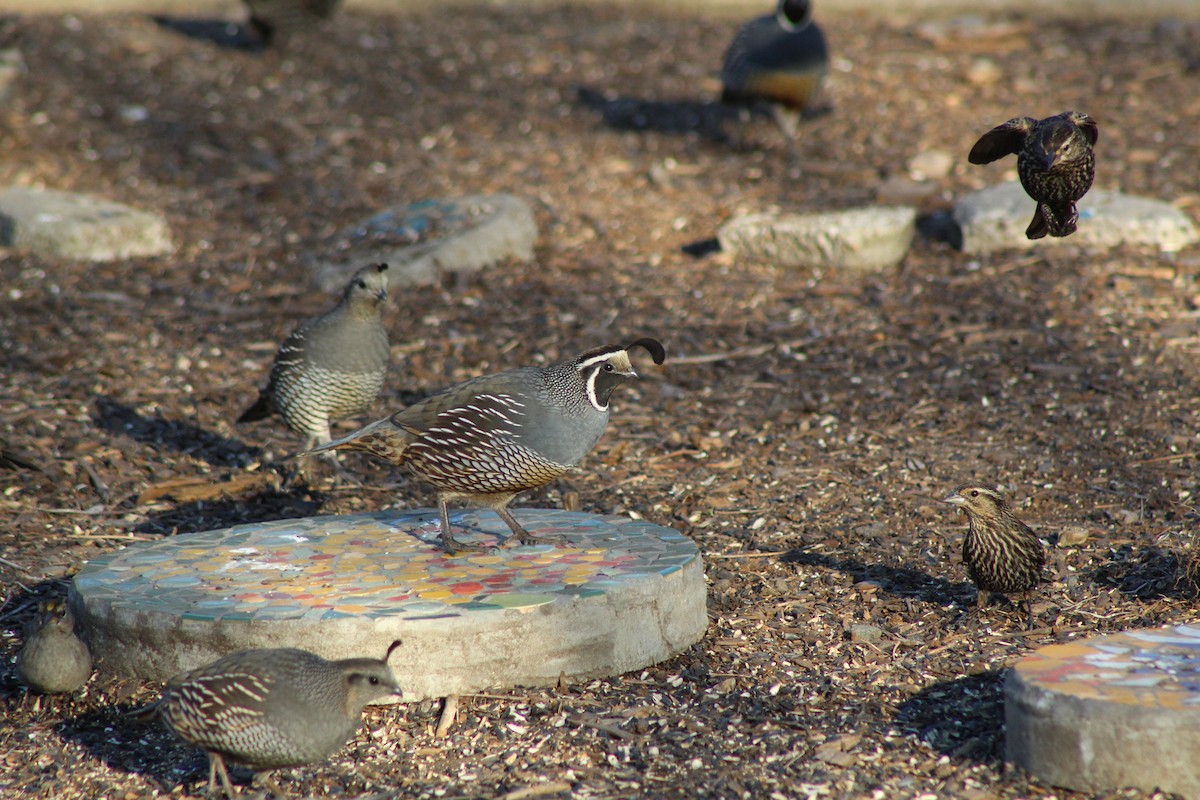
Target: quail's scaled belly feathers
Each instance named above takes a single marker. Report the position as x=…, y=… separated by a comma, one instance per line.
x=487, y=439
x=332, y=366
x=1055, y=161
x=1001, y=553
x=779, y=59
x=272, y=708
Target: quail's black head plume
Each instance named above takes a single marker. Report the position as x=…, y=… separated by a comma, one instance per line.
x=1055, y=160
x=332, y=366
x=487, y=439
x=780, y=60
x=267, y=709
x=273, y=20
x=1001, y=553
x=54, y=659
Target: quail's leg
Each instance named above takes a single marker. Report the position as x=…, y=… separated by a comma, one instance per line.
x=524, y=536
x=1069, y=221
x=216, y=769
x=449, y=543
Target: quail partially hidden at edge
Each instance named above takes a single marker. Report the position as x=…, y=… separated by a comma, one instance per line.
x=1001, y=553
x=275, y=19
x=332, y=366
x=779, y=59
x=487, y=439
x=54, y=659
x=12, y=458
x=272, y=708
x=1055, y=161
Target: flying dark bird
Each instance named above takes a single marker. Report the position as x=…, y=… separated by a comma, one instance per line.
x=1001, y=553
x=780, y=60
x=490, y=438
x=1055, y=161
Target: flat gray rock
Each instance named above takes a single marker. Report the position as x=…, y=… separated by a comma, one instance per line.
x=79, y=226
x=422, y=241
x=995, y=218
x=870, y=239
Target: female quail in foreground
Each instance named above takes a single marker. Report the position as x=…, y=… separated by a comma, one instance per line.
x=779, y=59
x=54, y=659
x=332, y=366
x=1001, y=553
x=1055, y=161
x=273, y=708
x=489, y=438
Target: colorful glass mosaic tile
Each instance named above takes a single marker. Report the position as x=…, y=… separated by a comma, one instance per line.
x=1157, y=668
x=383, y=564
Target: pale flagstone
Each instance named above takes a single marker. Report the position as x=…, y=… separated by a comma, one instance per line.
x=422, y=241
x=83, y=227
x=995, y=218
x=870, y=238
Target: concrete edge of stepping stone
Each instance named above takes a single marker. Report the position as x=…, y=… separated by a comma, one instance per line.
x=85, y=227
x=995, y=218
x=1087, y=744
x=870, y=238
x=422, y=241
x=161, y=607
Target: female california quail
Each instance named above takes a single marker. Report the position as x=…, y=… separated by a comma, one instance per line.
x=271, y=708
x=489, y=438
x=54, y=659
x=780, y=60
x=1055, y=161
x=332, y=366
x=1001, y=553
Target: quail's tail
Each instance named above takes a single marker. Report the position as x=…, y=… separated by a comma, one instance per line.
x=260, y=410
x=384, y=439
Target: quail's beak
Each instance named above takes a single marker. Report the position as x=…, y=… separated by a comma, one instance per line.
x=955, y=499
x=1051, y=159
x=398, y=692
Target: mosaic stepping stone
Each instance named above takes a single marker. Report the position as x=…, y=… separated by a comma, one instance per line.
x=1110, y=712
x=620, y=595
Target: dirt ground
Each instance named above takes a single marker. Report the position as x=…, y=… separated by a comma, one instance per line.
x=801, y=431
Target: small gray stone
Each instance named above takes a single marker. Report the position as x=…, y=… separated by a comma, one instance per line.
x=871, y=238
x=79, y=226
x=930, y=165
x=422, y=241
x=862, y=632
x=995, y=218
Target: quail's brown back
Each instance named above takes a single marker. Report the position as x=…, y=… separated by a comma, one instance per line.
x=54, y=659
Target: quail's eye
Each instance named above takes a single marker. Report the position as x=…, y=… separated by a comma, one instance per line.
x=608, y=367
x=361, y=283
x=974, y=493
x=373, y=680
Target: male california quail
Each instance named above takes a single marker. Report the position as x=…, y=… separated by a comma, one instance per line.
x=489, y=438
x=332, y=366
x=54, y=659
x=779, y=59
x=273, y=708
x=1055, y=161
x=1001, y=553
x=274, y=19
